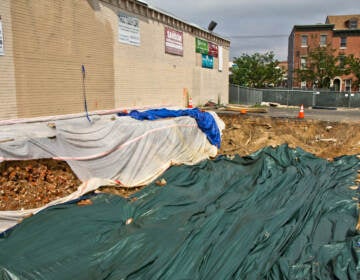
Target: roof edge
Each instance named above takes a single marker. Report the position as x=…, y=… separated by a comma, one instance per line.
x=131, y=6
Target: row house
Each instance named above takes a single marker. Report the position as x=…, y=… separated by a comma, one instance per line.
x=340, y=32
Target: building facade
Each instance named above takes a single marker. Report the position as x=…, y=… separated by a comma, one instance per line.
x=114, y=54
x=283, y=65
x=341, y=33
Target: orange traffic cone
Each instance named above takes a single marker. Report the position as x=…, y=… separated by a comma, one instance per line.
x=190, y=103
x=301, y=113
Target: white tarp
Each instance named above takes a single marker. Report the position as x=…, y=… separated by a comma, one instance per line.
x=110, y=148
x=130, y=151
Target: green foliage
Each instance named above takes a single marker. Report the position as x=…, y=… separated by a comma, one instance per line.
x=257, y=70
x=354, y=65
x=321, y=66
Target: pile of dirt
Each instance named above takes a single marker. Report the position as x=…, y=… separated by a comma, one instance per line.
x=245, y=134
x=31, y=184
x=34, y=183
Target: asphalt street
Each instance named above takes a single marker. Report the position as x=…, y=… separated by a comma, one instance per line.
x=339, y=114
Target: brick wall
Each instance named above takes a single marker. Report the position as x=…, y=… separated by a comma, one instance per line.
x=51, y=40
x=296, y=51
x=313, y=42
x=146, y=75
x=7, y=78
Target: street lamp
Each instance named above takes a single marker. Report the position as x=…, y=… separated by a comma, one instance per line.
x=212, y=26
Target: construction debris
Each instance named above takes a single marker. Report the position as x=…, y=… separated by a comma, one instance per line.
x=245, y=110
x=34, y=183
x=161, y=182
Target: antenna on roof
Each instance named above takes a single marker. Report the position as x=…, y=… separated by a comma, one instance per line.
x=212, y=25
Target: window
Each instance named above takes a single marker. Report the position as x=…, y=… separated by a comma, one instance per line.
x=303, y=84
x=348, y=85
x=303, y=63
x=343, y=42
x=304, y=40
x=323, y=40
x=353, y=23
x=342, y=61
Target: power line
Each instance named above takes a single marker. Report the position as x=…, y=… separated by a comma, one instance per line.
x=257, y=36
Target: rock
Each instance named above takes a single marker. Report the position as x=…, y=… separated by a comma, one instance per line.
x=161, y=182
x=129, y=221
x=328, y=128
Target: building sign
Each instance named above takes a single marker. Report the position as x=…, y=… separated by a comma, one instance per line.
x=173, y=41
x=1, y=40
x=213, y=50
x=201, y=46
x=221, y=58
x=207, y=61
x=129, y=30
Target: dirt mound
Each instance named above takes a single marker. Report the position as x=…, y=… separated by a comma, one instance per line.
x=245, y=134
x=31, y=184
x=34, y=183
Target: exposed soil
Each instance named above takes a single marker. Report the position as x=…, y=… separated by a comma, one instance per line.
x=34, y=183
x=31, y=184
x=245, y=134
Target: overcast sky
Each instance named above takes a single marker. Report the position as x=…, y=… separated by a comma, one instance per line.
x=256, y=25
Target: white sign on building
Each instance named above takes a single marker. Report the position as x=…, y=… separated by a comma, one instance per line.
x=221, y=58
x=1, y=40
x=129, y=30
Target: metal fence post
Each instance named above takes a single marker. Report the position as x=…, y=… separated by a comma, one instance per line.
x=314, y=98
x=350, y=95
x=287, y=97
x=238, y=94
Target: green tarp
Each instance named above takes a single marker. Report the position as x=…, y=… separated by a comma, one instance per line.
x=278, y=214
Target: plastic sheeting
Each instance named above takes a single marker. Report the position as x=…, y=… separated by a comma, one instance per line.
x=278, y=214
x=204, y=120
x=124, y=149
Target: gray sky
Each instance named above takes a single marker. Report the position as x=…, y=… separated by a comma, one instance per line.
x=245, y=22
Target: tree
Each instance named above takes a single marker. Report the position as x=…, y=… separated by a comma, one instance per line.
x=257, y=70
x=321, y=66
x=354, y=65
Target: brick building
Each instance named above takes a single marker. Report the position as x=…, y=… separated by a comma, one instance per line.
x=341, y=33
x=132, y=54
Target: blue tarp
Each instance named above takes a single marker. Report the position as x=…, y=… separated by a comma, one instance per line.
x=205, y=121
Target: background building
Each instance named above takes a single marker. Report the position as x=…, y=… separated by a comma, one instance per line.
x=119, y=54
x=283, y=65
x=341, y=33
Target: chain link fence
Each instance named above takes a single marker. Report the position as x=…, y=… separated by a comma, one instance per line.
x=252, y=96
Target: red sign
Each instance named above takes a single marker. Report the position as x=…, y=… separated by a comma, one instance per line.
x=173, y=41
x=213, y=50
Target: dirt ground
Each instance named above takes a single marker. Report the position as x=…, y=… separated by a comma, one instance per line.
x=31, y=184
x=245, y=134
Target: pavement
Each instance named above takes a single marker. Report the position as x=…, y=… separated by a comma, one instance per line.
x=331, y=114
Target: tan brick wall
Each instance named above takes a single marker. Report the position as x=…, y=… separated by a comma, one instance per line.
x=147, y=76
x=7, y=78
x=52, y=39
